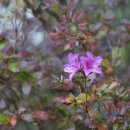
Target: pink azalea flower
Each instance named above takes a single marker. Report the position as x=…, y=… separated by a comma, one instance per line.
x=74, y=66
x=91, y=64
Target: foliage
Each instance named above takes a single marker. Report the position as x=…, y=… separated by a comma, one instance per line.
x=4, y=119
x=64, y=65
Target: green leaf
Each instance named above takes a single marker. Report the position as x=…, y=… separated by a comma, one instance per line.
x=56, y=8
x=107, y=88
x=4, y=119
x=73, y=29
x=115, y=126
x=10, y=10
x=120, y=56
x=3, y=57
x=118, y=13
x=65, y=111
x=126, y=126
x=24, y=75
x=13, y=65
x=82, y=98
x=3, y=43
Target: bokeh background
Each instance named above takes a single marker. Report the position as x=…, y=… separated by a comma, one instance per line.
x=31, y=62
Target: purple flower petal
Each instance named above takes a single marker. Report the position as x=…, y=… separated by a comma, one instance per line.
x=89, y=55
x=91, y=64
x=68, y=68
x=98, y=60
x=83, y=60
x=73, y=66
x=73, y=58
x=72, y=75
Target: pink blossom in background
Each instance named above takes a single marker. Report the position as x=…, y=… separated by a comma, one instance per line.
x=91, y=64
x=74, y=65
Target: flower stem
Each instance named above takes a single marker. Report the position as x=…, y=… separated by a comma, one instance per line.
x=85, y=91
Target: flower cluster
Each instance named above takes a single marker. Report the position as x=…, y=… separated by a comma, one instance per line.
x=87, y=65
